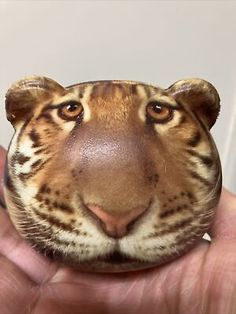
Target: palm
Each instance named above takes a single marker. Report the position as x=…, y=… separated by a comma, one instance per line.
x=201, y=282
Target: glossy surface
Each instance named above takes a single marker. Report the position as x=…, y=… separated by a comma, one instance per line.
x=112, y=175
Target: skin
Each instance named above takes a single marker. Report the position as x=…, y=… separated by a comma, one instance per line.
x=201, y=282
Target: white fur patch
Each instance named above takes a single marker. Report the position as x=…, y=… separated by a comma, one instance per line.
x=67, y=126
x=142, y=95
x=25, y=147
x=13, y=145
x=84, y=101
x=132, y=243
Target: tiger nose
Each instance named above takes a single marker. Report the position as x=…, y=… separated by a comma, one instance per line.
x=115, y=225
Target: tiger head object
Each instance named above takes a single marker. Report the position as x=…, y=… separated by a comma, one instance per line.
x=112, y=176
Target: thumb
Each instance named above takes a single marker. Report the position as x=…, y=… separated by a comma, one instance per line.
x=2, y=165
x=225, y=220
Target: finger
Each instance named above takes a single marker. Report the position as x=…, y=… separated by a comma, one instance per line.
x=125, y=290
x=16, y=289
x=93, y=279
x=224, y=224
x=2, y=165
x=13, y=247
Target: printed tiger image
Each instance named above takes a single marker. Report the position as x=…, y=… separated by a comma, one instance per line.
x=112, y=176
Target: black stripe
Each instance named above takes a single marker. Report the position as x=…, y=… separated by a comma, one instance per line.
x=206, y=160
x=49, y=119
x=36, y=163
x=63, y=207
x=133, y=89
x=147, y=91
x=56, y=222
x=189, y=238
x=44, y=189
x=81, y=91
x=41, y=150
x=173, y=228
x=34, y=136
x=205, y=128
x=63, y=242
x=197, y=176
x=22, y=159
x=195, y=139
x=27, y=121
x=19, y=158
x=175, y=210
x=26, y=176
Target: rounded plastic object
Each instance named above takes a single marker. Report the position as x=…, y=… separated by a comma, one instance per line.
x=112, y=176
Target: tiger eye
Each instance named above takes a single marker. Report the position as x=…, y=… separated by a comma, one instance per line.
x=158, y=112
x=71, y=110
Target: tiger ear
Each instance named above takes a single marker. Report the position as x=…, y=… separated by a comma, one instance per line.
x=202, y=98
x=23, y=96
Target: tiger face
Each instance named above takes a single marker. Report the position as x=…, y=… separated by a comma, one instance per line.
x=112, y=175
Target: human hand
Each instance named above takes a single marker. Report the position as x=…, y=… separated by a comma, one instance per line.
x=201, y=282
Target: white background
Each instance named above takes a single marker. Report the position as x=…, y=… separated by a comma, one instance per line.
x=157, y=42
